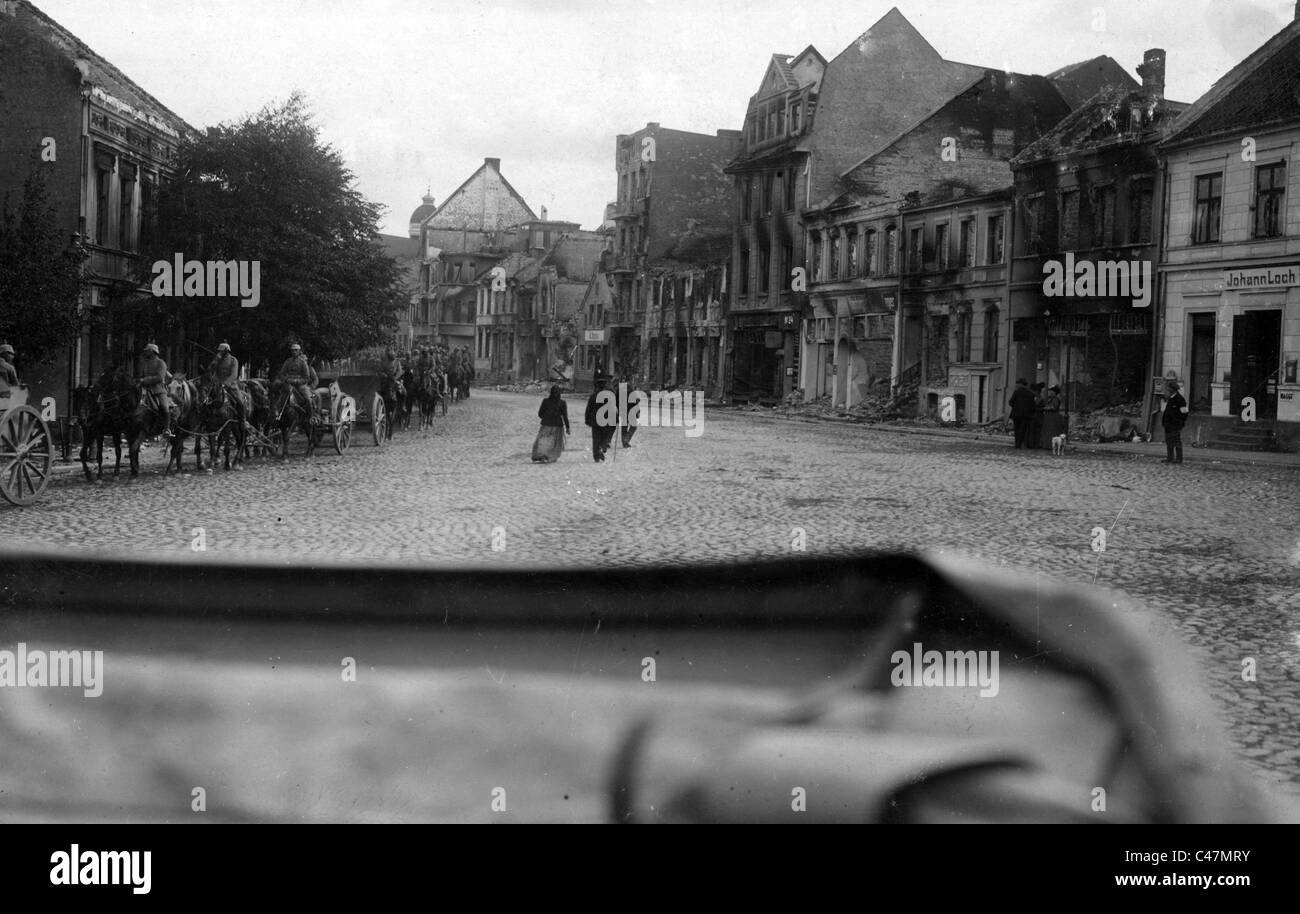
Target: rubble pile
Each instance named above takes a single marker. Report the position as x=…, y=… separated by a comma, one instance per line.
x=1122, y=422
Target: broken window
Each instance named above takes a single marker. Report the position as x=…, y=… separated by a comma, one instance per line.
x=1140, y=201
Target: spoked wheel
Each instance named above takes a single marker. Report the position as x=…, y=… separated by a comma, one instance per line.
x=26, y=455
x=379, y=420
x=347, y=412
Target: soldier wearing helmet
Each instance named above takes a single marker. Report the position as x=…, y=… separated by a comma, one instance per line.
x=8, y=374
x=299, y=374
x=153, y=379
x=224, y=369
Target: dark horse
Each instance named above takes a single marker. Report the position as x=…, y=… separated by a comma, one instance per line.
x=409, y=397
x=392, y=393
x=219, y=420
x=289, y=413
x=105, y=408
x=427, y=394
x=259, y=413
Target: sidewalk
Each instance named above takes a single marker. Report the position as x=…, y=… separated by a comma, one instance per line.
x=1154, y=450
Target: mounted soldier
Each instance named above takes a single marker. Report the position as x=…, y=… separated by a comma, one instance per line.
x=153, y=379
x=224, y=370
x=300, y=376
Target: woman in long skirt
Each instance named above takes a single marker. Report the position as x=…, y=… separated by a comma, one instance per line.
x=1053, y=418
x=554, y=413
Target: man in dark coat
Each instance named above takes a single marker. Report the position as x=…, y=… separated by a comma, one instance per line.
x=1022, y=412
x=601, y=434
x=1034, y=441
x=1175, y=417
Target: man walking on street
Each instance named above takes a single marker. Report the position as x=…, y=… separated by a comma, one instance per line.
x=1175, y=418
x=1022, y=412
x=601, y=434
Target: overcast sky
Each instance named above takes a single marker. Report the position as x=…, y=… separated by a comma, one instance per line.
x=417, y=92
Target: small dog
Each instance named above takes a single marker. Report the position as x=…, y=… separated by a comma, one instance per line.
x=1058, y=444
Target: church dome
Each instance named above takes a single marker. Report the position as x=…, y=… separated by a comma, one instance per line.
x=422, y=212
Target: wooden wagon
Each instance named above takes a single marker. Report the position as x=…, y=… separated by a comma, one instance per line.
x=26, y=448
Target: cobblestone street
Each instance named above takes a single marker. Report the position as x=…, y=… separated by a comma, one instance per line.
x=1214, y=547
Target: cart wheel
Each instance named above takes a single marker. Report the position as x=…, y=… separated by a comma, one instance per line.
x=343, y=419
x=26, y=455
x=378, y=421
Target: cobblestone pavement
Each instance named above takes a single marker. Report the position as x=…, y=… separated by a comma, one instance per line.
x=1214, y=547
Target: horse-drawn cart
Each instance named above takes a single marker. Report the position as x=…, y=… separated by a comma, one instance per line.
x=370, y=404
x=26, y=448
x=334, y=415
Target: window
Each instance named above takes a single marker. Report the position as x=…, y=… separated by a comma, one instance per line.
x=1270, y=192
x=796, y=118
x=780, y=119
x=1209, y=207
x=1141, y=196
x=103, y=181
x=834, y=273
x=771, y=122
x=815, y=267
x=126, y=208
x=1069, y=233
x=1034, y=240
x=966, y=254
x=851, y=251
x=941, y=245
x=787, y=262
x=991, y=316
x=790, y=185
x=744, y=272
x=148, y=217
x=891, y=250
x=962, y=328
x=764, y=268
x=868, y=251
x=1103, y=216
x=767, y=194
x=915, y=239
x=996, y=239
x=746, y=198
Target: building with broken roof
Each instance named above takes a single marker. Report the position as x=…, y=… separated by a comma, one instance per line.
x=670, y=185
x=912, y=248
x=1230, y=271
x=104, y=144
x=1086, y=199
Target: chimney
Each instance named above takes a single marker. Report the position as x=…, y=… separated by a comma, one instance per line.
x=1152, y=72
x=495, y=164
x=543, y=214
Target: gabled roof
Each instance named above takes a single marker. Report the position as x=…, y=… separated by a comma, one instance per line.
x=1263, y=89
x=481, y=170
x=112, y=82
x=1078, y=82
x=1104, y=120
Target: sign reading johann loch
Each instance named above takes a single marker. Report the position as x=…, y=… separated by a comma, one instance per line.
x=1265, y=278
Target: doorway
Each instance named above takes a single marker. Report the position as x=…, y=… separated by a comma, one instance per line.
x=1199, y=393
x=1256, y=355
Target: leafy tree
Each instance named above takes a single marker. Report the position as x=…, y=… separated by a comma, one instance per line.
x=268, y=190
x=41, y=279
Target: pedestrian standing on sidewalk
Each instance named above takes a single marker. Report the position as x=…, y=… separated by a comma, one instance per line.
x=554, y=413
x=1175, y=418
x=1022, y=412
x=1053, y=422
x=1036, y=427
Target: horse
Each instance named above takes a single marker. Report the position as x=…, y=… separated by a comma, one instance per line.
x=147, y=420
x=289, y=413
x=391, y=392
x=409, y=396
x=185, y=395
x=427, y=395
x=104, y=408
x=259, y=413
x=219, y=420
x=454, y=383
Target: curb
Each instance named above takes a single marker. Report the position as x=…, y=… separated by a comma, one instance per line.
x=1090, y=447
